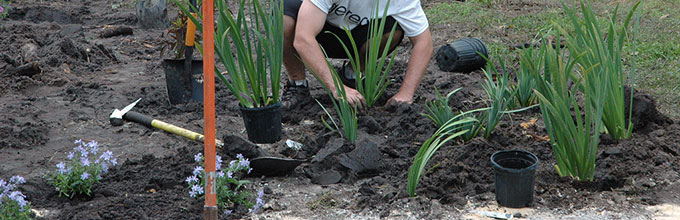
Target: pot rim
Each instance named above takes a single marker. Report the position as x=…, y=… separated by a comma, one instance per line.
x=529, y=154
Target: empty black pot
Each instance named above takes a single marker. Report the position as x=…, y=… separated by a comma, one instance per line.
x=515, y=174
x=263, y=124
x=462, y=55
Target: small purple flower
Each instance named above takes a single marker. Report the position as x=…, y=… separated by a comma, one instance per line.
x=249, y=170
x=79, y=141
x=258, y=202
x=197, y=170
x=84, y=176
x=230, y=174
x=62, y=167
x=220, y=174
x=192, y=179
x=106, y=156
x=114, y=161
x=85, y=161
x=17, y=180
x=239, y=156
x=19, y=198
x=94, y=146
x=197, y=157
x=2, y=10
x=196, y=190
x=105, y=168
x=218, y=162
x=228, y=212
x=243, y=163
x=70, y=155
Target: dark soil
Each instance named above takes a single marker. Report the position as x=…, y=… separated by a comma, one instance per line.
x=82, y=77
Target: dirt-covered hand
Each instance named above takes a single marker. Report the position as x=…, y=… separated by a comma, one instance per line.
x=354, y=98
x=400, y=98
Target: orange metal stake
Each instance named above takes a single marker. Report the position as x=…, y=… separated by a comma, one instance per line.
x=210, y=207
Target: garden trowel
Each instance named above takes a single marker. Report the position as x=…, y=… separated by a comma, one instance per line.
x=183, y=76
x=273, y=166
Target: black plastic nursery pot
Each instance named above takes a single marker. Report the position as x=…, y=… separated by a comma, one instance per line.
x=515, y=174
x=462, y=55
x=263, y=124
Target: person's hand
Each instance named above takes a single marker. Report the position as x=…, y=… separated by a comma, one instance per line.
x=400, y=98
x=354, y=98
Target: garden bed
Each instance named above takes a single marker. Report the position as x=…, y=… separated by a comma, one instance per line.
x=83, y=77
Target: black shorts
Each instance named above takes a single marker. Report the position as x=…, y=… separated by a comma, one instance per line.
x=329, y=42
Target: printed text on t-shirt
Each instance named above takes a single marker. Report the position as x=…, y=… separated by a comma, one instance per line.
x=349, y=16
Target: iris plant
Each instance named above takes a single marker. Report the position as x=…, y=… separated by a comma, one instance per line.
x=372, y=81
x=251, y=49
x=602, y=54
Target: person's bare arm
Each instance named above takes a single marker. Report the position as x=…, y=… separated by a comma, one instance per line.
x=417, y=64
x=310, y=22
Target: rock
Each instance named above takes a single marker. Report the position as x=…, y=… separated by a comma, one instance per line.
x=647, y=183
x=327, y=177
x=72, y=31
x=29, y=52
x=112, y=31
x=234, y=145
x=659, y=132
x=370, y=124
x=333, y=147
x=366, y=189
x=152, y=14
x=613, y=151
x=267, y=190
x=436, y=210
x=364, y=159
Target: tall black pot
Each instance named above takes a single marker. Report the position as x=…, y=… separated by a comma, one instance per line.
x=515, y=172
x=263, y=124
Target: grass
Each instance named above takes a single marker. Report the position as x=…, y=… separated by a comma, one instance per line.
x=501, y=25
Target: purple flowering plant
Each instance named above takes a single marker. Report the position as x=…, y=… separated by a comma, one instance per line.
x=231, y=190
x=85, y=165
x=13, y=204
x=4, y=8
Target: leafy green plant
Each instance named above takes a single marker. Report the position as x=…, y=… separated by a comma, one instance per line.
x=230, y=189
x=574, y=138
x=250, y=46
x=83, y=170
x=347, y=114
x=444, y=134
x=438, y=110
x=499, y=95
x=523, y=89
x=373, y=80
x=603, y=55
x=13, y=204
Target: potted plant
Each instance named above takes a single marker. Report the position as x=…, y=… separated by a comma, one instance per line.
x=250, y=46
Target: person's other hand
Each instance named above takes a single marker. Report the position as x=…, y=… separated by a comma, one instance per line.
x=400, y=98
x=354, y=98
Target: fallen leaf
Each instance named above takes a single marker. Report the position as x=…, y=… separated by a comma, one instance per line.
x=152, y=190
x=663, y=16
x=148, y=45
x=528, y=124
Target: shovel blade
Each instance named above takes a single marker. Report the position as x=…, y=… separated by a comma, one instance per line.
x=183, y=86
x=273, y=166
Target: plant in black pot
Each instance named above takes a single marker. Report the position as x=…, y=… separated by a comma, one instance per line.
x=254, y=64
x=250, y=46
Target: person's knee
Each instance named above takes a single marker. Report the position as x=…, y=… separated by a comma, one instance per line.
x=288, y=28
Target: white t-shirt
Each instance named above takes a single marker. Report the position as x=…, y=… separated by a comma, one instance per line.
x=351, y=13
